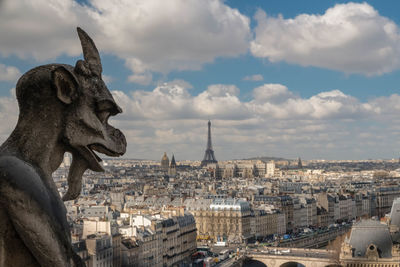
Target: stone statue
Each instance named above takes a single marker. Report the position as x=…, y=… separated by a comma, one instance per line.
x=62, y=109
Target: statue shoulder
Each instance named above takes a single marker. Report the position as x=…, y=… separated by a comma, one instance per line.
x=20, y=181
x=6, y=160
x=12, y=166
x=20, y=175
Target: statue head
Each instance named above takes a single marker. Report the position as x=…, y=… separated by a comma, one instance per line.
x=76, y=101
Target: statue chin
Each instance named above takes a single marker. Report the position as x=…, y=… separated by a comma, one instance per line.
x=78, y=166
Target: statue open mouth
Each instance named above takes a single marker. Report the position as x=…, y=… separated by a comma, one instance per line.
x=104, y=150
x=94, y=154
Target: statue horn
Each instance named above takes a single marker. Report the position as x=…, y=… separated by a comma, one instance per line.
x=90, y=52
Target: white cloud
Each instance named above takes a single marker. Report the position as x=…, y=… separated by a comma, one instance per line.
x=171, y=101
x=275, y=122
x=9, y=73
x=150, y=35
x=8, y=114
x=40, y=29
x=171, y=35
x=271, y=93
x=219, y=101
x=222, y=90
x=253, y=78
x=352, y=38
x=181, y=83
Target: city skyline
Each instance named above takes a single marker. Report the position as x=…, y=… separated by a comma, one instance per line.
x=316, y=80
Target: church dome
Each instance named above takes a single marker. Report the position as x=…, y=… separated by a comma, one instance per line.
x=371, y=235
x=165, y=161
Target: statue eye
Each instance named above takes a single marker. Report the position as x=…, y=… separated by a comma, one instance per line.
x=103, y=116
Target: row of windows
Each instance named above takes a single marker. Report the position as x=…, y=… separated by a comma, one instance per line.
x=104, y=255
x=104, y=264
x=100, y=213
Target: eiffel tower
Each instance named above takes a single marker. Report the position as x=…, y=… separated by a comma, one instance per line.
x=209, y=154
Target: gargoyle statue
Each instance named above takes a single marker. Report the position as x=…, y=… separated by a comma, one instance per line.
x=62, y=109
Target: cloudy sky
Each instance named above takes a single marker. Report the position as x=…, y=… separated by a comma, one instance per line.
x=315, y=79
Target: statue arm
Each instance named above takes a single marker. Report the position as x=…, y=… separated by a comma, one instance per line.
x=36, y=218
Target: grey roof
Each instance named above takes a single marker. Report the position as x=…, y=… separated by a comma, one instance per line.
x=197, y=204
x=368, y=232
x=230, y=203
x=168, y=222
x=186, y=220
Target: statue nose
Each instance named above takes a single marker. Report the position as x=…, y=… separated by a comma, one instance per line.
x=116, y=109
x=119, y=109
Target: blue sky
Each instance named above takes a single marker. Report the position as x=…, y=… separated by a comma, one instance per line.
x=316, y=79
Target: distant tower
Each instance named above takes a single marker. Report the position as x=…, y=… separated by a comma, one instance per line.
x=209, y=154
x=299, y=164
x=165, y=162
x=270, y=169
x=67, y=159
x=172, y=166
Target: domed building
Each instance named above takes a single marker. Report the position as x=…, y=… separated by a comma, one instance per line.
x=369, y=243
x=165, y=162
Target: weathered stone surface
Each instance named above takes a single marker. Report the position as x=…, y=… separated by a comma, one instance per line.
x=62, y=109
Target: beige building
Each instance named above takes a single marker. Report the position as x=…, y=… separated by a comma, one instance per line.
x=322, y=217
x=164, y=162
x=162, y=241
x=179, y=239
x=223, y=220
x=80, y=248
x=130, y=251
x=263, y=223
x=385, y=196
x=92, y=227
x=229, y=170
x=116, y=244
x=283, y=203
x=100, y=250
x=270, y=172
x=281, y=219
x=242, y=168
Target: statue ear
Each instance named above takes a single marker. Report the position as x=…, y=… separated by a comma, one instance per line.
x=65, y=84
